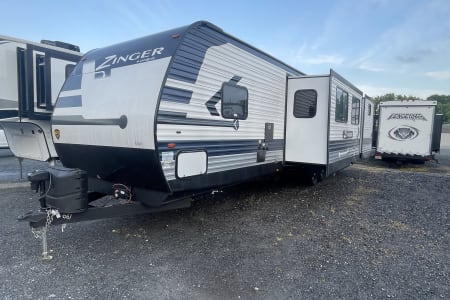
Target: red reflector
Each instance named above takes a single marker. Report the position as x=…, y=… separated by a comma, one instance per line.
x=171, y=145
x=175, y=36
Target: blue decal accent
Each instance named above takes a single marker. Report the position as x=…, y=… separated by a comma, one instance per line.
x=200, y=37
x=176, y=95
x=72, y=83
x=69, y=101
x=220, y=148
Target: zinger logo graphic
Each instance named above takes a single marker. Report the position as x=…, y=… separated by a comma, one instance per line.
x=121, y=60
x=413, y=117
x=403, y=133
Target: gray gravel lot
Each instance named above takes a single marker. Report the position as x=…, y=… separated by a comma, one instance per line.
x=371, y=231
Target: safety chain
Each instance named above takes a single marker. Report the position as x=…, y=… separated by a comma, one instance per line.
x=51, y=213
x=39, y=232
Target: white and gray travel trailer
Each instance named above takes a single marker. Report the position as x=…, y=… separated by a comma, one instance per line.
x=408, y=130
x=31, y=75
x=163, y=117
x=323, y=124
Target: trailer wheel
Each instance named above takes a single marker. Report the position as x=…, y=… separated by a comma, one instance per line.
x=313, y=178
x=322, y=175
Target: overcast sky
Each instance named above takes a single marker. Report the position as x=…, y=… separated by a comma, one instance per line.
x=399, y=46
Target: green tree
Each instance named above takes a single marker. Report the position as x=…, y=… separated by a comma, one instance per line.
x=443, y=105
x=391, y=97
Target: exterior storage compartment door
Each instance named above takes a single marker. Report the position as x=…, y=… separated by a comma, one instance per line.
x=191, y=163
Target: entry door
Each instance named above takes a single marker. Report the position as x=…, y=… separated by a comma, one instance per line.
x=307, y=120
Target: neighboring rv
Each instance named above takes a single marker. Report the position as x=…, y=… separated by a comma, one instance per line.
x=167, y=116
x=324, y=124
x=30, y=79
x=408, y=130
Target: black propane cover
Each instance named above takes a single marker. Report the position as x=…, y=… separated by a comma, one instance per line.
x=68, y=190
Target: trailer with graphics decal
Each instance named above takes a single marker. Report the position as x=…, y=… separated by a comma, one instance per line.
x=408, y=130
x=154, y=121
x=30, y=79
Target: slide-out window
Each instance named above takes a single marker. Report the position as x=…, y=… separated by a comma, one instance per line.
x=305, y=103
x=40, y=81
x=234, y=102
x=355, y=110
x=341, y=113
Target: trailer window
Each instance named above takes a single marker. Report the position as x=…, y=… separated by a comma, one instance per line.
x=355, y=110
x=305, y=103
x=234, y=102
x=369, y=110
x=40, y=81
x=341, y=113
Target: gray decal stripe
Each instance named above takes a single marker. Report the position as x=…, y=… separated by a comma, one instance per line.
x=176, y=95
x=178, y=120
x=165, y=113
x=342, y=145
x=80, y=120
x=69, y=101
x=10, y=104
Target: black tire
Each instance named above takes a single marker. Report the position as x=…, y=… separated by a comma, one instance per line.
x=313, y=178
x=322, y=175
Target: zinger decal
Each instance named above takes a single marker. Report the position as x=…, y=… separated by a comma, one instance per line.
x=103, y=68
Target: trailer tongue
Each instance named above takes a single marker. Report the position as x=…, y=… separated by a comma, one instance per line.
x=64, y=198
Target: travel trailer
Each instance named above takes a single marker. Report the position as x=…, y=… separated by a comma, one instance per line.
x=408, y=130
x=156, y=120
x=31, y=76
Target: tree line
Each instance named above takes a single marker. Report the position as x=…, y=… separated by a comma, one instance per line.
x=443, y=102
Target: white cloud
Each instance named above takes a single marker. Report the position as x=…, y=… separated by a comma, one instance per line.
x=367, y=67
x=416, y=42
x=439, y=74
x=306, y=55
x=321, y=59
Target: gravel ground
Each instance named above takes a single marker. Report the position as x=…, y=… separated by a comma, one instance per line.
x=371, y=231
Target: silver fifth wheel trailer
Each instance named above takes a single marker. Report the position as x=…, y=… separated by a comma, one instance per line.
x=156, y=120
x=30, y=79
x=408, y=130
